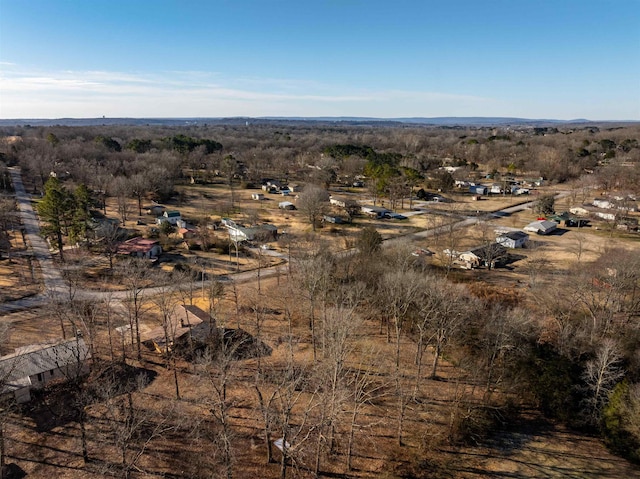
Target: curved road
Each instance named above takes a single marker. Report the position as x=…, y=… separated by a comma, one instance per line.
x=55, y=285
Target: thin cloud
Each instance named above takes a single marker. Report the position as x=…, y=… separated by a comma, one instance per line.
x=197, y=93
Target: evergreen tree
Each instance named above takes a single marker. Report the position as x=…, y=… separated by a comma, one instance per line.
x=55, y=210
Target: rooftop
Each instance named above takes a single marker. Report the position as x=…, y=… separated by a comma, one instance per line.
x=16, y=368
x=137, y=245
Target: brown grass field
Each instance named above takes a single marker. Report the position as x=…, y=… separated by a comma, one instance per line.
x=45, y=441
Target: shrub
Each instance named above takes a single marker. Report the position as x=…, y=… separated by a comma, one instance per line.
x=621, y=421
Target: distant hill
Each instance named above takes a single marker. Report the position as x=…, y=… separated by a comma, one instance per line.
x=435, y=121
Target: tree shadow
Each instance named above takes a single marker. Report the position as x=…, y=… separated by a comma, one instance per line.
x=203, y=339
x=12, y=471
x=63, y=402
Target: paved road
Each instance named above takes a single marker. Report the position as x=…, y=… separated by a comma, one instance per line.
x=55, y=284
x=471, y=220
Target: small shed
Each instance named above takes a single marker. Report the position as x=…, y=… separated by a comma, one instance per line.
x=187, y=233
x=257, y=196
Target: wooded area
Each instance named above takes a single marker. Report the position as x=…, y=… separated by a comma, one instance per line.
x=329, y=349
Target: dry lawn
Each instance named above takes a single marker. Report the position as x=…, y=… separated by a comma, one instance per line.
x=45, y=441
x=46, y=445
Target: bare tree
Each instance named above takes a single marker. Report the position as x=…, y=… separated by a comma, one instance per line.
x=314, y=272
x=400, y=290
x=601, y=375
x=364, y=389
x=294, y=428
x=340, y=325
x=503, y=337
x=122, y=190
x=166, y=301
x=454, y=306
x=139, y=185
x=216, y=368
x=313, y=202
x=110, y=236
x=130, y=427
x=135, y=274
x=579, y=245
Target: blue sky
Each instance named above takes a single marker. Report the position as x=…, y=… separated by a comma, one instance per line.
x=560, y=59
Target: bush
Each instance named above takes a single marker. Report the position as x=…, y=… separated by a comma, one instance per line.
x=621, y=421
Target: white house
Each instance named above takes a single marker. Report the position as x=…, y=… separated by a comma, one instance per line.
x=601, y=203
x=264, y=232
x=579, y=211
x=33, y=367
x=605, y=215
x=337, y=201
x=513, y=239
x=171, y=217
x=541, y=227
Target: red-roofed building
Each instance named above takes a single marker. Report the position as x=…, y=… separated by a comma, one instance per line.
x=140, y=247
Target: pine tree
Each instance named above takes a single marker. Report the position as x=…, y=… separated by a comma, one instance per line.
x=55, y=210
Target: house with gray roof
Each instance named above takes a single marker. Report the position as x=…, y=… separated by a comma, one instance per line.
x=541, y=227
x=34, y=366
x=513, y=239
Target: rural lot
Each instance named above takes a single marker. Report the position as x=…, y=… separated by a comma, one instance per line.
x=300, y=299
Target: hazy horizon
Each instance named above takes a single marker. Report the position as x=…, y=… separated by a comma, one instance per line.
x=533, y=60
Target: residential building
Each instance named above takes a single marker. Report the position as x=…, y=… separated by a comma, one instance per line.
x=140, y=247
x=541, y=227
x=171, y=217
x=513, y=239
x=35, y=366
x=375, y=211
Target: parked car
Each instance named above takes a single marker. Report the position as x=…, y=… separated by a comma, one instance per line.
x=394, y=216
